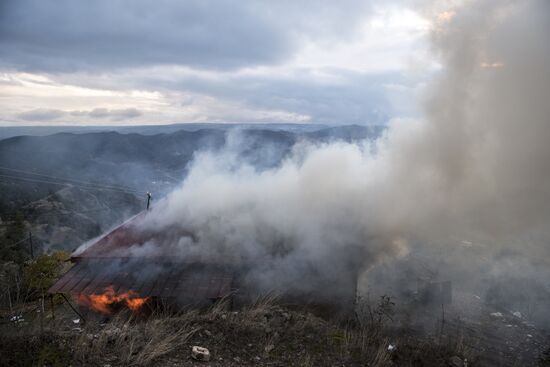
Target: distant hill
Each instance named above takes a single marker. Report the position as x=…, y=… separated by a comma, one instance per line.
x=73, y=186
x=153, y=162
x=11, y=131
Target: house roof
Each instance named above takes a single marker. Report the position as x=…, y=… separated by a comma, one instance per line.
x=185, y=282
x=148, y=262
x=130, y=240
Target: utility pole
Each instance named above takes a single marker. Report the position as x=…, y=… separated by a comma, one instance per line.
x=30, y=242
x=148, y=199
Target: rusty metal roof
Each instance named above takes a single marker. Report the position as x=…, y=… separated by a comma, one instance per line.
x=150, y=263
x=184, y=282
x=127, y=239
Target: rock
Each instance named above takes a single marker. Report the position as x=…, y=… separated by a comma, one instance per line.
x=111, y=332
x=237, y=359
x=517, y=314
x=456, y=361
x=200, y=353
x=496, y=314
x=207, y=332
x=268, y=348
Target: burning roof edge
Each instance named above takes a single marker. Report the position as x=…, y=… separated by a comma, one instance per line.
x=121, y=241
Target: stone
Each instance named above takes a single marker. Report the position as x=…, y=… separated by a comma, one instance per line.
x=456, y=361
x=200, y=353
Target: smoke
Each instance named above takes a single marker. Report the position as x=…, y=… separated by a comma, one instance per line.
x=475, y=170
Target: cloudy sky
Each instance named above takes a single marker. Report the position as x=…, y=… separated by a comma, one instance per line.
x=117, y=62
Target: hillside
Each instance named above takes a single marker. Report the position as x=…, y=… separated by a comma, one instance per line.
x=71, y=187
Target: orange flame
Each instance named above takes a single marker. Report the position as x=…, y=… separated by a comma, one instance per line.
x=103, y=302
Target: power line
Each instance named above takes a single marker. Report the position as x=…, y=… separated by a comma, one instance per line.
x=69, y=184
x=63, y=178
x=18, y=242
x=69, y=212
x=57, y=178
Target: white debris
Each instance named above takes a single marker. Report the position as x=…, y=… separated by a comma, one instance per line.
x=456, y=361
x=76, y=321
x=200, y=353
x=517, y=314
x=496, y=314
x=529, y=335
x=17, y=318
x=476, y=296
x=391, y=347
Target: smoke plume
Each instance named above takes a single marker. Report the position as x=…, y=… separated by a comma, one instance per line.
x=475, y=169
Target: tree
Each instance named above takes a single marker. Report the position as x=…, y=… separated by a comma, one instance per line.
x=12, y=249
x=42, y=272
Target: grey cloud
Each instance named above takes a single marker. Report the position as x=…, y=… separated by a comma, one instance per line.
x=352, y=98
x=343, y=97
x=41, y=114
x=102, y=113
x=47, y=35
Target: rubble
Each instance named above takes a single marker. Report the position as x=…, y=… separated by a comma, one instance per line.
x=456, y=361
x=17, y=318
x=200, y=353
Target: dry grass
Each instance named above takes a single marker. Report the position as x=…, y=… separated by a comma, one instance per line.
x=134, y=343
x=264, y=333
x=262, y=305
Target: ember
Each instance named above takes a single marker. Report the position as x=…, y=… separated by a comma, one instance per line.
x=106, y=301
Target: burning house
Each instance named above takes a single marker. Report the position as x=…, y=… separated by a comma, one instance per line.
x=132, y=267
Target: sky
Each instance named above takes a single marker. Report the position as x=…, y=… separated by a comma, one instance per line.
x=115, y=62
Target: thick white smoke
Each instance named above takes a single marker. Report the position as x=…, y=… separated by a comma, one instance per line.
x=476, y=167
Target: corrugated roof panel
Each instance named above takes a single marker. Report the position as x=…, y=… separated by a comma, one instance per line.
x=91, y=288
x=186, y=282
x=131, y=235
x=80, y=272
x=63, y=280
